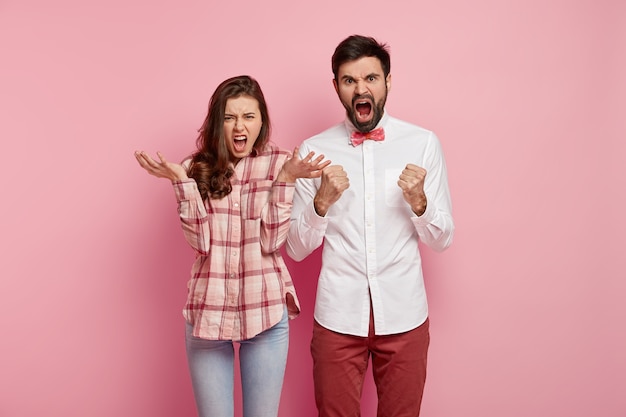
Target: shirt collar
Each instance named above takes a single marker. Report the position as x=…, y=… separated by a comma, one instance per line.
x=253, y=153
x=350, y=127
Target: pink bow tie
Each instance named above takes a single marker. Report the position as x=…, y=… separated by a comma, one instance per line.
x=357, y=137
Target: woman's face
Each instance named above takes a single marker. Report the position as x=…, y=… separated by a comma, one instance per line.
x=242, y=124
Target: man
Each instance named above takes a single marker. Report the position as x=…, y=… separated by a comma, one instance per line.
x=385, y=190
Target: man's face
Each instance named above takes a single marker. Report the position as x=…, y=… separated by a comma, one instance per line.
x=362, y=89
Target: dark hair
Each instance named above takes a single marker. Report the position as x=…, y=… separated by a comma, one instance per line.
x=210, y=165
x=355, y=47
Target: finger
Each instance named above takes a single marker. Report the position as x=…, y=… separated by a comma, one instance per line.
x=323, y=165
x=333, y=168
x=308, y=157
x=319, y=159
x=405, y=185
x=414, y=169
x=138, y=157
x=142, y=162
x=151, y=162
x=161, y=157
x=146, y=157
x=145, y=160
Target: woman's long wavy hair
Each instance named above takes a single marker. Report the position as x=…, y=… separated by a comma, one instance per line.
x=210, y=164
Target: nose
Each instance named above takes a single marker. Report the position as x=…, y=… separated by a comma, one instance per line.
x=239, y=124
x=360, y=88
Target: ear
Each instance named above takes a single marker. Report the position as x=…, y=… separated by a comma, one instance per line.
x=388, y=81
x=335, y=85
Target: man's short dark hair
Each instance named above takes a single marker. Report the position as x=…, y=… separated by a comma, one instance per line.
x=355, y=47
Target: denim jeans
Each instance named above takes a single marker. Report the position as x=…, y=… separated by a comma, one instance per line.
x=262, y=361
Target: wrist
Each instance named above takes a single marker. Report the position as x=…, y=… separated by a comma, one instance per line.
x=420, y=209
x=175, y=178
x=283, y=177
x=320, y=208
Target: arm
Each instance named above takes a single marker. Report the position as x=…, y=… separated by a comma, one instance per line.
x=275, y=217
x=191, y=209
x=193, y=215
x=311, y=203
x=428, y=195
x=307, y=228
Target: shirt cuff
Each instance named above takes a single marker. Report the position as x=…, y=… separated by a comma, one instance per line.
x=283, y=192
x=426, y=218
x=313, y=219
x=185, y=189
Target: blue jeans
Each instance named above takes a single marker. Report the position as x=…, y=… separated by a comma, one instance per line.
x=262, y=361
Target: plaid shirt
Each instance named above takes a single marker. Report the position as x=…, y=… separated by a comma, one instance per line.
x=239, y=281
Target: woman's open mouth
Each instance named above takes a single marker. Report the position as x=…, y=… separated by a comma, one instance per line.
x=239, y=143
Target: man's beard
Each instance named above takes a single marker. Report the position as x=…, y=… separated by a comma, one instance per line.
x=377, y=108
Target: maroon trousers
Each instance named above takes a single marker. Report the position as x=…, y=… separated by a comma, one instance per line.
x=398, y=367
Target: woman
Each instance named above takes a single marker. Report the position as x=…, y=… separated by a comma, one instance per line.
x=234, y=201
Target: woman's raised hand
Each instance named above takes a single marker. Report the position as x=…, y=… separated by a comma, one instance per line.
x=161, y=168
x=307, y=167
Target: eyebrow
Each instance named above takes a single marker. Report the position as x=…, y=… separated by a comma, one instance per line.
x=245, y=114
x=372, y=74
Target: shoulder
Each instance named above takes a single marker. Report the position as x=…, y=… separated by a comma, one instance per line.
x=329, y=137
x=402, y=126
x=401, y=129
x=271, y=157
x=338, y=129
x=273, y=150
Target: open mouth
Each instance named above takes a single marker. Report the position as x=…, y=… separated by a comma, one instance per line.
x=363, y=108
x=239, y=143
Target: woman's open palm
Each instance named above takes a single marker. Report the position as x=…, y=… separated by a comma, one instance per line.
x=161, y=168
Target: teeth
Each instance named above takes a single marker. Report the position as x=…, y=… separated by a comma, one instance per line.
x=239, y=138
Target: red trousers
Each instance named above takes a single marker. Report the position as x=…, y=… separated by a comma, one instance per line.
x=398, y=367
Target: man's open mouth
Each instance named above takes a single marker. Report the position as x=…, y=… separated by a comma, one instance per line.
x=363, y=107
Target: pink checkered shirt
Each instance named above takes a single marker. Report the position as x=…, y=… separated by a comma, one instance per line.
x=239, y=281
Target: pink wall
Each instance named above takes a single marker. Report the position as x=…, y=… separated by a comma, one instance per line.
x=527, y=97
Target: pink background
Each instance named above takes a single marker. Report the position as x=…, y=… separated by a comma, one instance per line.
x=527, y=97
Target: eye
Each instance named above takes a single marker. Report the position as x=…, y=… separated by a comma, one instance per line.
x=249, y=116
x=372, y=78
x=228, y=118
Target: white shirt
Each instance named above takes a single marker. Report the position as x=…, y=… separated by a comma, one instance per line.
x=370, y=234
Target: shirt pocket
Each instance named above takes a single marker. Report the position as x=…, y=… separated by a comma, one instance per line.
x=254, y=196
x=393, y=193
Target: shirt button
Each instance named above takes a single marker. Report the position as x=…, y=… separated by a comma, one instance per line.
x=236, y=204
x=235, y=253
